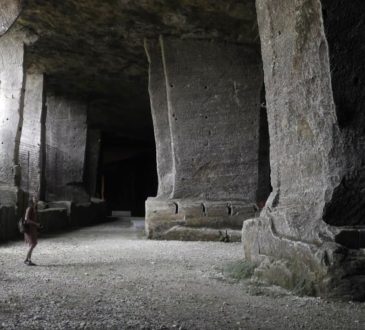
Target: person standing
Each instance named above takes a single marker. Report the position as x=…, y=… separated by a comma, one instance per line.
x=31, y=234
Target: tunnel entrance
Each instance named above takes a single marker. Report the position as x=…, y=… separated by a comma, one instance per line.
x=127, y=174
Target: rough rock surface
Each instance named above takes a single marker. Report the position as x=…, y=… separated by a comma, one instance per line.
x=9, y=12
x=11, y=105
x=205, y=99
x=110, y=277
x=106, y=39
x=92, y=159
x=66, y=133
x=308, y=159
x=31, y=141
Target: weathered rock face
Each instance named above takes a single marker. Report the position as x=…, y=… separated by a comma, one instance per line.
x=161, y=121
x=9, y=12
x=92, y=160
x=11, y=107
x=11, y=103
x=12, y=77
x=206, y=106
x=31, y=153
x=309, y=151
x=66, y=133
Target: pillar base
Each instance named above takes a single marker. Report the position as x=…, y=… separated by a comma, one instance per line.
x=13, y=202
x=327, y=269
x=193, y=220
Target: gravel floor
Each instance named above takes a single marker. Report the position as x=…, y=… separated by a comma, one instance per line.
x=109, y=276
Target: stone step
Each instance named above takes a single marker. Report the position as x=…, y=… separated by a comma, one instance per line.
x=54, y=219
x=185, y=233
x=120, y=213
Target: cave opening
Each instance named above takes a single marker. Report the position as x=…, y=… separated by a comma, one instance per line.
x=127, y=175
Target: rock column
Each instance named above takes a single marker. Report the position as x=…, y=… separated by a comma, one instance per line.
x=205, y=100
x=291, y=242
x=32, y=137
x=11, y=120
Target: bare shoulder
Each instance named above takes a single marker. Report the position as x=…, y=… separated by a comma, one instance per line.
x=28, y=210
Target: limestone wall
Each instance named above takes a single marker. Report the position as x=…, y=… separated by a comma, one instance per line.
x=30, y=157
x=92, y=160
x=161, y=120
x=205, y=99
x=66, y=133
x=11, y=106
x=213, y=95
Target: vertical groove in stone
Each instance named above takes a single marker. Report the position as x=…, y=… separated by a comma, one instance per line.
x=169, y=117
x=159, y=109
x=31, y=138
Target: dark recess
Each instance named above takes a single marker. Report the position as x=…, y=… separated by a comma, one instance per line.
x=345, y=31
x=129, y=170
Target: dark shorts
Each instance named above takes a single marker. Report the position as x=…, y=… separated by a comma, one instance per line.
x=31, y=236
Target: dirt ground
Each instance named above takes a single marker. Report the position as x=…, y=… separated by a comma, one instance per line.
x=110, y=277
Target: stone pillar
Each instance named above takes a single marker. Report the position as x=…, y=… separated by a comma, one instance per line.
x=205, y=100
x=11, y=107
x=30, y=154
x=66, y=133
x=290, y=241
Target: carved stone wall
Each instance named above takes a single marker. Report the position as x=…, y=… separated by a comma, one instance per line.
x=205, y=99
x=66, y=132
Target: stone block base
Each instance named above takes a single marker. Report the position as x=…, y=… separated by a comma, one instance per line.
x=53, y=219
x=82, y=214
x=195, y=220
x=8, y=223
x=87, y=214
x=54, y=216
x=328, y=269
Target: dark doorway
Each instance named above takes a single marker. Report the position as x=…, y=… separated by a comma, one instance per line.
x=128, y=173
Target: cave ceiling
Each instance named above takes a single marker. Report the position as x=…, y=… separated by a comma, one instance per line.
x=93, y=49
